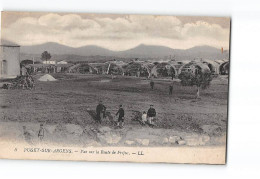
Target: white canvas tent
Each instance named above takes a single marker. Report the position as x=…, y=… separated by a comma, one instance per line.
x=47, y=77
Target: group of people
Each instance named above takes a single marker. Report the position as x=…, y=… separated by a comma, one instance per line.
x=147, y=117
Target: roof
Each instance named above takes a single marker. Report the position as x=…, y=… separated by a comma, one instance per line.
x=118, y=63
x=47, y=65
x=203, y=66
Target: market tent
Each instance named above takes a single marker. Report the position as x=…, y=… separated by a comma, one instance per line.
x=224, y=68
x=164, y=69
x=193, y=67
x=138, y=68
x=83, y=68
x=114, y=67
x=213, y=66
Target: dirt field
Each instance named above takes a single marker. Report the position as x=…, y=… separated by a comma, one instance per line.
x=66, y=108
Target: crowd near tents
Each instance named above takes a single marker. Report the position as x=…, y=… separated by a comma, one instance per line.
x=137, y=68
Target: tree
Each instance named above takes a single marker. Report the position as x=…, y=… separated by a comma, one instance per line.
x=200, y=79
x=46, y=56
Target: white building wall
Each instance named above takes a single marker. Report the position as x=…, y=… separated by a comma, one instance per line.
x=49, y=62
x=9, y=61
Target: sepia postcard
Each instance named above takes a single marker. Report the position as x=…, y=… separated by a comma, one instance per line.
x=114, y=87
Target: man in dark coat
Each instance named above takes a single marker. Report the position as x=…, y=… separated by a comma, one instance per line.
x=121, y=116
x=170, y=89
x=172, y=75
x=151, y=114
x=100, y=110
x=152, y=84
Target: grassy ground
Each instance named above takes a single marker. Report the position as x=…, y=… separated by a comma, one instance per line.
x=73, y=98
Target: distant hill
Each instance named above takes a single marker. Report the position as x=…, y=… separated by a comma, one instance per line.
x=146, y=51
x=58, y=49
x=72, y=58
x=53, y=48
x=204, y=52
x=142, y=51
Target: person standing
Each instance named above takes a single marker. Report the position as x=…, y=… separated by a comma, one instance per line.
x=100, y=110
x=151, y=113
x=152, y=84
x=138, y=73
x=172, y=75
x=41, y=132
x=170, y=89
x=144, y=117
x=121, y=116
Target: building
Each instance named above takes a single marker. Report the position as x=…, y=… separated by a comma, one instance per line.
x=138, y=68
x=9, y=60
x=83, y=68
x=49, y=62
x=213, y=66
x=223, y=66
x=194, y=67
x=62, y=62
x=164, y=69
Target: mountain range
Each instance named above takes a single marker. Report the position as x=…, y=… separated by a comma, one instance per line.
x=141, y=51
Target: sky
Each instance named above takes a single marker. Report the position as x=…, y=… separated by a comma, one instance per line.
x=114, y=31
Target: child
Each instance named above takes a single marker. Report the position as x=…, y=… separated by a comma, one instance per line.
x=41, y=132
x=144, y=117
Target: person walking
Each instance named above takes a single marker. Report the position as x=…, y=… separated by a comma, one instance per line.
x=151, y=113
x=41, y=132
x=100, y=110
x=170, y=89
x=152, y=84
x=121, y=116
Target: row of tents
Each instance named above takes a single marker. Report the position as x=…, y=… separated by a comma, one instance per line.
x=139, y=68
